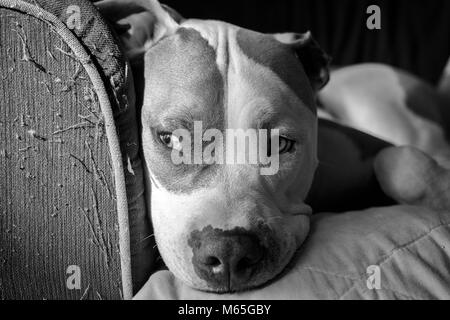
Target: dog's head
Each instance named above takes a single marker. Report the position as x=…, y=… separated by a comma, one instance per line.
x=224, y=223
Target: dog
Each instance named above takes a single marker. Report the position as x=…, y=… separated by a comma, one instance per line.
x=225, y=228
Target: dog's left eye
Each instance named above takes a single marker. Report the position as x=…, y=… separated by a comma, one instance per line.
x=170, y=140
x=285, y=145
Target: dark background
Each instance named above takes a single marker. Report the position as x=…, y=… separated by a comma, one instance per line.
x=414, y=35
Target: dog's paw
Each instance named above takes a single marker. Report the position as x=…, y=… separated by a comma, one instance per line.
x=412, y=177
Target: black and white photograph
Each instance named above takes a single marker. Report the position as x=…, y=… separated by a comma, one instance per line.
x=224, y=150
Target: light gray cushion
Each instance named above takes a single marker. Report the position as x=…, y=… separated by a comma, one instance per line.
x=410, y=245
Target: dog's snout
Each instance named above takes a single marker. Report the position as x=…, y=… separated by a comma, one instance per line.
x=230, y=254
x=226, y=259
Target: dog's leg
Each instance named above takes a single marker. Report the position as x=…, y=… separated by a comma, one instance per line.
x=444, y=83
x=406, y=112
x=389, y=104
x=412, y=177
x=444, y=91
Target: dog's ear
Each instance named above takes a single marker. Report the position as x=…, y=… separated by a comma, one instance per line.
x=139, y=23
x=314, y=60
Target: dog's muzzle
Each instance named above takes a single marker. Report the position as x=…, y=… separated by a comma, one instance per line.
x=229, y=260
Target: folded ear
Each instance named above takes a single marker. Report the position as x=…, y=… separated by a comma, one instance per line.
x=139, y=23
x=314, y=60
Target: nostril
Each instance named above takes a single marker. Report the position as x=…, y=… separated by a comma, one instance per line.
x=244, y=264
x=215, y=265
x=212, y=261
x=249, y=261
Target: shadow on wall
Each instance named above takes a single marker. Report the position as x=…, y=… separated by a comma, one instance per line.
x=404, y=40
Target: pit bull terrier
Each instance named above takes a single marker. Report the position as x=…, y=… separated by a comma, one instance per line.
x=227, y=227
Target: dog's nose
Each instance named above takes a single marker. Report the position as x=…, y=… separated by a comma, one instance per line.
x=227, y=259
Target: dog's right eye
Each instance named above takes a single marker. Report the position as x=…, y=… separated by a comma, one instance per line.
x=170, y=140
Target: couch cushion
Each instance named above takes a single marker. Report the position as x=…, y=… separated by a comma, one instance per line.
x=409, y=245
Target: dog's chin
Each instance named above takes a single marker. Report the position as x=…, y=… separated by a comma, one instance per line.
x=282, y=247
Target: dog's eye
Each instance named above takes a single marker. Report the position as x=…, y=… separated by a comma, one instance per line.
x=170, y=140
x=285, y=145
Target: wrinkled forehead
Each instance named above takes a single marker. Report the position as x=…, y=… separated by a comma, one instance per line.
x=182, y=69
x=206, y=62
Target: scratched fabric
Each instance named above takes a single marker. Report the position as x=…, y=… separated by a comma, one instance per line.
x=57, y=205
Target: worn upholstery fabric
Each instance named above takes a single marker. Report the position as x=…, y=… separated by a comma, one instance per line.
x=410, y=245
x=58, y=205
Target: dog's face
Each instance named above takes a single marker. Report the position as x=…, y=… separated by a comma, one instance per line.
x=227, y=226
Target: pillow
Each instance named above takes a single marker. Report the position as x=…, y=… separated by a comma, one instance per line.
x=398, y=252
